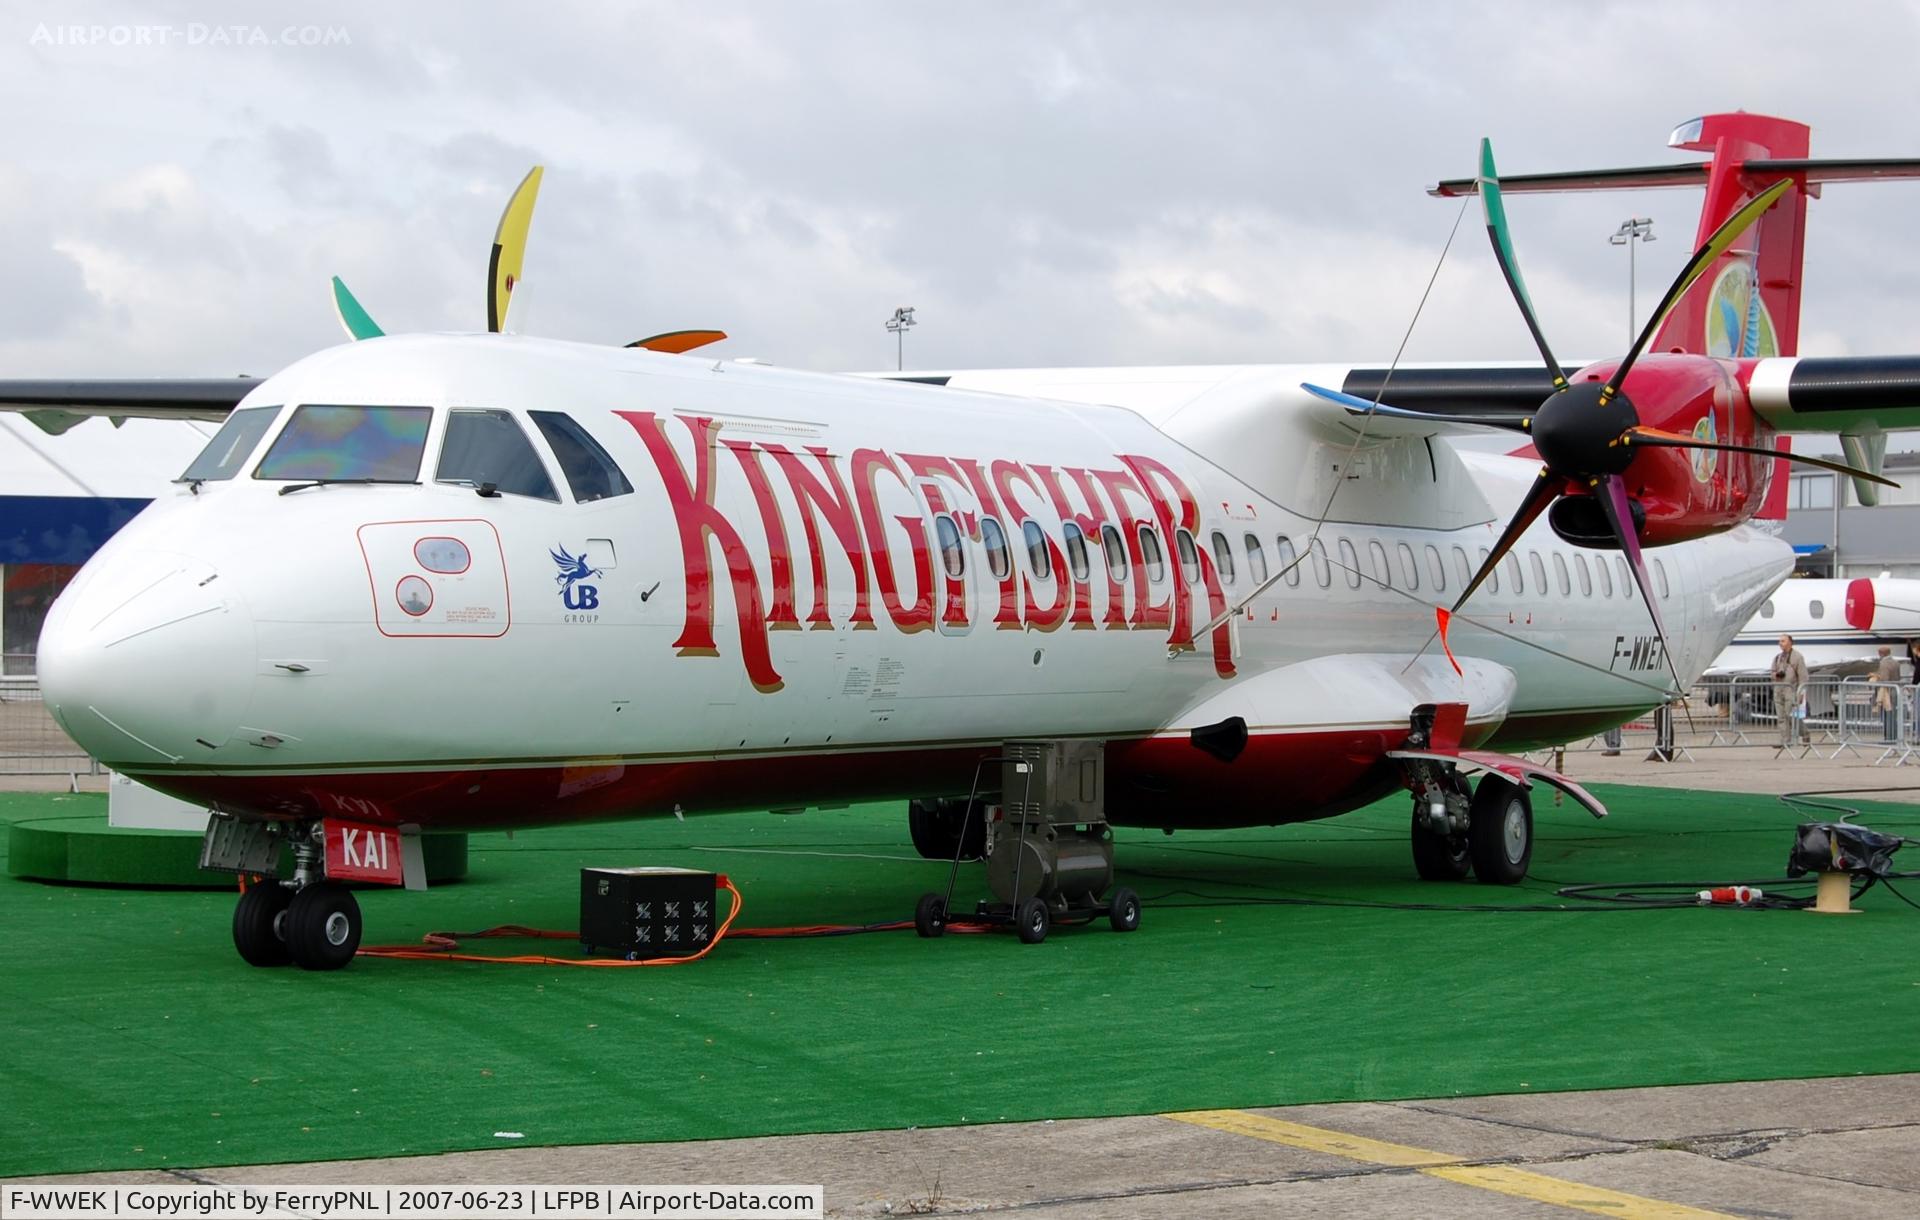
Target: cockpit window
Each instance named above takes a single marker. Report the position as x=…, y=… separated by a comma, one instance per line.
x=364, y=444
x=591, y=471
x=487, y=447
x=230, y=447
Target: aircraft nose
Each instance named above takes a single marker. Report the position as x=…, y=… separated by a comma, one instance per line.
x=148, y=658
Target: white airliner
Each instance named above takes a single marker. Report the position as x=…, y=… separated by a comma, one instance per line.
x=487, y=580
x=1832, y=622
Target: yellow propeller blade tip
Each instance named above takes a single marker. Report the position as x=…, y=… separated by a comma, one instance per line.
x=510, y=248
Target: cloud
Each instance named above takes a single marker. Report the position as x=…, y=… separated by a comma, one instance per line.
x=1072, y=183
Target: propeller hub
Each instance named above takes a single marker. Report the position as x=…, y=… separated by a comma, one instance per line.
x=1580, y=434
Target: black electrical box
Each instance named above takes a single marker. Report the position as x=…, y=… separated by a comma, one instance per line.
x=637, y=913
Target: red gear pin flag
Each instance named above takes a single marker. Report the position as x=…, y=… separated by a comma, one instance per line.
x=1444, y=617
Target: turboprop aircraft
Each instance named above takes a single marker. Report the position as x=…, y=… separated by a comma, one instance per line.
x=462, y=581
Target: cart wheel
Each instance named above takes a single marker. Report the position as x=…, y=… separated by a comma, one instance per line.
x=1123, y=912
x=930, y=915
x=1033, y=921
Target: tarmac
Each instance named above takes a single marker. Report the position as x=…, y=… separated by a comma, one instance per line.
x=1835, y=1147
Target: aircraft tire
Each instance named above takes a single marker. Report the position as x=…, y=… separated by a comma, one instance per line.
x=1032, y=919
x=930, y=915
x=1438, y=857
x=259, y=924
x=323, y=926
x=937, y=826
x=1500, y=831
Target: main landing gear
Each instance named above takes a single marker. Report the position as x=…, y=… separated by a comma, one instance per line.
x=1487, y=830
x=307, y=921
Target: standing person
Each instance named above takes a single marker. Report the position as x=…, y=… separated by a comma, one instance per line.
x=1886, y=677
x=1789, y=688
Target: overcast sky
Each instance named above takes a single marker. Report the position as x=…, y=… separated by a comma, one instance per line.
x=1071, y=183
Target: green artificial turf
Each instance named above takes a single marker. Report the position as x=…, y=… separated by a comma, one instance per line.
x=132, y=1035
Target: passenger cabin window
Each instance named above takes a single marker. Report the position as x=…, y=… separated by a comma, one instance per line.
x=591, y=472
x=1076, y=551
x=995, y=540
x=1660, y=578
x=1256, y=560
x=1492, y=581
x=1514, y=574
x=1223, y=557
x=1039, y=558
x=1116, y=551
x=357, y=444
x=1626, y=576
x=1436, y=569
x=1350, y=564
x=231, y=446
x=1766, y=608
x=1288, y=559
x=952, y=555
x=1381, y=572
x=1604, y=571
x=1152, y=556
x=1560, y=574
x=1409, y=570
x=1322, y=570
x=1816, y=608
x=488, y=447
x=1189, y=556
x=1461, y=562
x=1585, y=573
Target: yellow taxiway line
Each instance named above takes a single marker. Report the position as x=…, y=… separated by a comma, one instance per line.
x=1504, y=1179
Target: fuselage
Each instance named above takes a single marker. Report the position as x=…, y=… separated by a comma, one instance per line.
x=753, y=587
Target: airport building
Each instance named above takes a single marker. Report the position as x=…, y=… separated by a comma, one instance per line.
x=1838, y=536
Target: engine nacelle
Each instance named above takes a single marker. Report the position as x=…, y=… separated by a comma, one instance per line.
x=1679, y=494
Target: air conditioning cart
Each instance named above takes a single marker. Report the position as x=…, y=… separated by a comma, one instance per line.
x=1049, y=850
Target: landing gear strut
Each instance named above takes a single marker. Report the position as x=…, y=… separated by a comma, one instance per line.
x=308, y=921
x=1488, y=832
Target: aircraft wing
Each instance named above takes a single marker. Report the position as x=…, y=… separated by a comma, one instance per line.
x=56, y=405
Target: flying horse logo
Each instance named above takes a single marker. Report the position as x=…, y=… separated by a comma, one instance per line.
x=573, y=571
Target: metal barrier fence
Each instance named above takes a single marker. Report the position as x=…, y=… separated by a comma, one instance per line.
x=30, y=742
x=1876, y=722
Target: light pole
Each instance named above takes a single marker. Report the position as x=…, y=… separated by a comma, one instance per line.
x=898, y=323
x=1640, y=227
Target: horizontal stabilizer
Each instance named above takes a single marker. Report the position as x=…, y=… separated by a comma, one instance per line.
x=1694, y=173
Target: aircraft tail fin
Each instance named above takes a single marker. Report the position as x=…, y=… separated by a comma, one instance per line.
x=1748, y=302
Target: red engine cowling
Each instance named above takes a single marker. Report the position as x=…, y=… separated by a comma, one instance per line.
x=1679, y=494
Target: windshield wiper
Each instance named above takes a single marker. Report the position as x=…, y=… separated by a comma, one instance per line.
x=290, y=488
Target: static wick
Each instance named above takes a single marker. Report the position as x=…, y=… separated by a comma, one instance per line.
x=1444, y=617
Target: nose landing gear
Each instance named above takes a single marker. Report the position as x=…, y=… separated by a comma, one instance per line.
x=307, y=921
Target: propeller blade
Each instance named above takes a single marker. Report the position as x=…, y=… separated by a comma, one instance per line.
x=510, y=248
x=1612, y=494
x=679, y=340
x=358, y=322
x=1547, y=486
x=1496, y=213
x=1366, y=406
x=1709, y=251
x=1659, y=437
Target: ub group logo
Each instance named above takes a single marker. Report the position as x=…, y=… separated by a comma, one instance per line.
x=575, y=593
